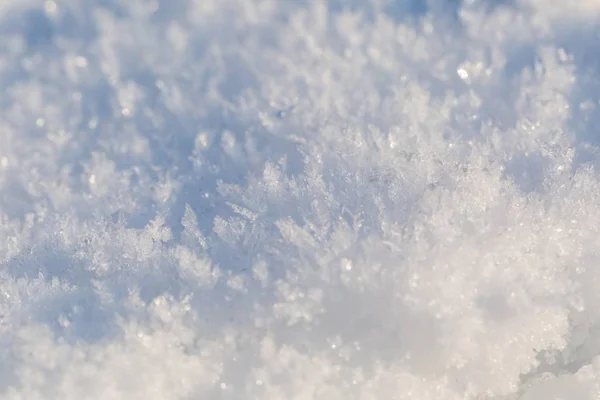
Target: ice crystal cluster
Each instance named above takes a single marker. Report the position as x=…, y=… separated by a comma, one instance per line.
x=300, y=199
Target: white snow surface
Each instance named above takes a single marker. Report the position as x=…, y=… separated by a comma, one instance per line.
x=300, y=199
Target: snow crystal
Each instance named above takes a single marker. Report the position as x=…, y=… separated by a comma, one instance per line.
x=325, y=199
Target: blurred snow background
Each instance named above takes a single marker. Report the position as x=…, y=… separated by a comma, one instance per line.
x=299, y=199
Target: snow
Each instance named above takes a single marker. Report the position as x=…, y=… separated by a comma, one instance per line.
x=300, y=199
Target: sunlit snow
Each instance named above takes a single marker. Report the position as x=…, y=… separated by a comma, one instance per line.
x=300, y=199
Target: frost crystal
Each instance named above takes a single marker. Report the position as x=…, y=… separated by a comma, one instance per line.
x=305, y=200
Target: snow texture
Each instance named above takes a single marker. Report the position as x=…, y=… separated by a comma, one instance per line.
x=300, y=199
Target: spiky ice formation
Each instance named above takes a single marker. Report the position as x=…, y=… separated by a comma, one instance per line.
x=305, y=200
